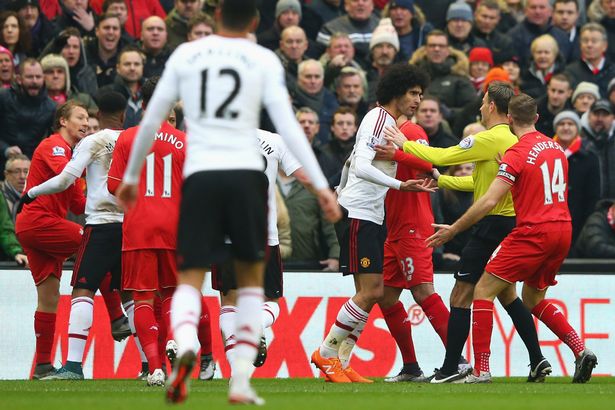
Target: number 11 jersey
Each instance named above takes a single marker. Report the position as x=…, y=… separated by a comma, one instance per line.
x=537, y=169
x=152, y=223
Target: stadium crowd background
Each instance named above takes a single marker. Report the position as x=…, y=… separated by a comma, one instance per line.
x=334, y=51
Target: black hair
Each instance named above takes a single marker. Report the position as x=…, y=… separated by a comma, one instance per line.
x=398, y=79
x=238, y=14
x=111, y=102
x=148, y=89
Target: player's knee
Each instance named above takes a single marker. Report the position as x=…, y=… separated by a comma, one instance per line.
x=462, y=295
x=141, y=297
x=422, y=292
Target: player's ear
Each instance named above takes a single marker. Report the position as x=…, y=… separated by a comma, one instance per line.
x=537, y=117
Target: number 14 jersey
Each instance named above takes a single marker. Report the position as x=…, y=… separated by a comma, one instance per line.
x=537, y=169
x=152, y=223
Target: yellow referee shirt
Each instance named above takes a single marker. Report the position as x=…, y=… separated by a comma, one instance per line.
x=481, y=149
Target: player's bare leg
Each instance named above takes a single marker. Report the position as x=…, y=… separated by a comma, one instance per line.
x=185, y=314
x=350, y=321
x=546, y=312
x=248, y=330
x=48, y=296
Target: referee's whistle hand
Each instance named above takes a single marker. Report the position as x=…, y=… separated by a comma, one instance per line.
x=127, y=195
x=394, y=135
x=328, y=204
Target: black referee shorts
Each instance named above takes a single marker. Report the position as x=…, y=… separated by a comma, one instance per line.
x=487, y=234
x=217, y=204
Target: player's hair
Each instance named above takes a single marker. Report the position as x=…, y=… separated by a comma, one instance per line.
x=594, y=27
x=28, y=61
x=64, y=112
x=130, y=49
x=105, y=16
x=566, y=2
x=522, y=108
x=398, y=79
x=148, y=89
x=307, y=110
x=107, y=3
x=15, y=157
x=342, y=110
x=560, y=77
x=493, y=5
x=238, y=14
x=201, y=18
x=500, y=93
x=111, y=102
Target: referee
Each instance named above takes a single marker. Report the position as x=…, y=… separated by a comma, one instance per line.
x=482, y=149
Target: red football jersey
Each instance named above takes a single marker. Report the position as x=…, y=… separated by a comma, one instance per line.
x=152, y=223
x=537, y=169
x=48, y=160
x=409, y=214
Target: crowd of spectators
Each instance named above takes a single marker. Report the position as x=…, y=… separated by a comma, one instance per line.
x=562, y=52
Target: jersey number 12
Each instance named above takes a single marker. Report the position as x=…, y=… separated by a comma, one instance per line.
x=222, y=110
x=167, y=175
x=553, y=184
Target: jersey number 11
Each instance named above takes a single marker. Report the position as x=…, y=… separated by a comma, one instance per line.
x=167, y=175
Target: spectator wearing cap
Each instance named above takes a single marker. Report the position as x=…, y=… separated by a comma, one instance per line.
x=448, y=70
x=339, y=54
x=510, y=62
x=566, y=18
x=359, y=24
x=57, y=82
x=481, y=61
x=293, y=45
x=384, y=47
x=287, y=14
x=471, y=111
x=350, y=90
x=26, y=112
x=537, y=22
x=76, y=14
x=177, y=20
x=598, y=130
x=41, y=29
x=555, y=100
x=583, y=169
x=154, y=45
x=7, y=68
x=603, y=12
x=486, y=18
x=410, y=25
x=545, y=62
x=459, y=27
x=584, y=95
x=594, y=65
x=70, y=46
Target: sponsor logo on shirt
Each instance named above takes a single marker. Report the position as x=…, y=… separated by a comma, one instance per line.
x=58, y=151
x=467, y=142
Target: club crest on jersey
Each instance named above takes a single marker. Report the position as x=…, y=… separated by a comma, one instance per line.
x=467, y=142
x=58, y=151
x=365, y=262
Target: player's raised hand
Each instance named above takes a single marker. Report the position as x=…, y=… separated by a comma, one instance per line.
x=127, y=195
x=328, y=203
x=394, y=135
x=419, y=185
x=444, y=233
x=385, y=152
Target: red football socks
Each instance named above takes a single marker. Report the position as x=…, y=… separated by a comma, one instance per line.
x=400, y=327
x=147, y=330
x=548, y=314
x=438, y=314
x=204, y=329
x=482, y=326
x=112, y=299
x=44, y=329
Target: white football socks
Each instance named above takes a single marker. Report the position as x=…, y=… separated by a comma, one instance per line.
x=79, y=324
x=348, y=318
x=185, y=314
x=271, y=311
x=248, y=329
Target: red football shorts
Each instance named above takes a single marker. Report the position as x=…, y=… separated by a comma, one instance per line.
x=149, y=269
x=407, y=263
x=532, y=254
x=48, y=247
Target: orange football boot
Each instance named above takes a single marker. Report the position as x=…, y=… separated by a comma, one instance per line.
x=331, y=367
x=355, y=377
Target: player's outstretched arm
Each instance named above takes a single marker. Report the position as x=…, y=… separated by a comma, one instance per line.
x=328, y=203
x=59, y=183
x=497, y=190
x=419, y=185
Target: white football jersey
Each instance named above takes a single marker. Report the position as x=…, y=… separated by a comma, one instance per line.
x=277, y=155
x=363, y=199
x=93, y=154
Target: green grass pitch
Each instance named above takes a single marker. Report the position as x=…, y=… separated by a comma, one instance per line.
x=313, y=394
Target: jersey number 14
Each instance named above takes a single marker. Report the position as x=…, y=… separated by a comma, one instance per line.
x=555, y=183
